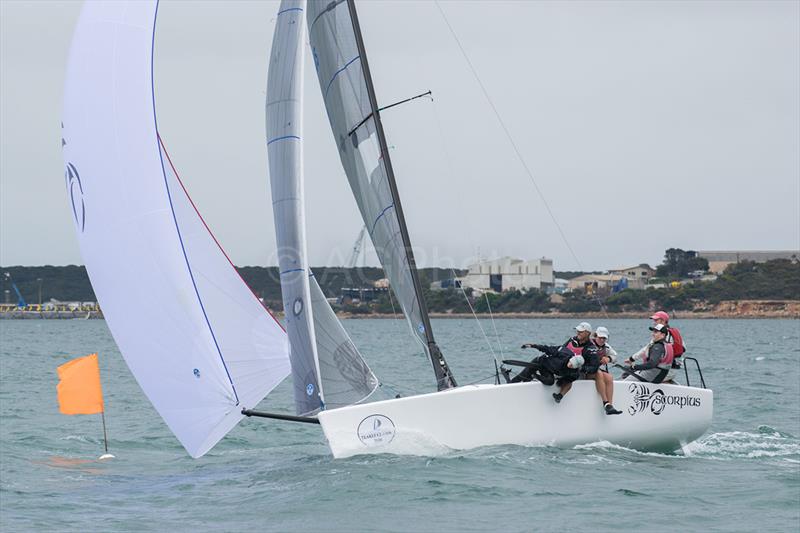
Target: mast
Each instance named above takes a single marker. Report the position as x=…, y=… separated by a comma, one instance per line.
x=444, y=378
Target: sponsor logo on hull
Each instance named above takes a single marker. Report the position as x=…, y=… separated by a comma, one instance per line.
x=376, y=430
x=656, y=401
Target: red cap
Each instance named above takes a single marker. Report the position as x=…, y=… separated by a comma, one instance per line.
x=662, y=315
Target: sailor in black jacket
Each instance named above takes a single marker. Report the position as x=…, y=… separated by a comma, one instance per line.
x=560, y=364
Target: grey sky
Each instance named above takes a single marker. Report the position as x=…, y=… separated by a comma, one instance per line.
x=647, y=125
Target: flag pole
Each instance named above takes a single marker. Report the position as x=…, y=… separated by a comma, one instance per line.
x=105, y=435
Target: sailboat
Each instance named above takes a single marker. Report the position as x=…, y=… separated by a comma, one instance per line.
x=212, y=352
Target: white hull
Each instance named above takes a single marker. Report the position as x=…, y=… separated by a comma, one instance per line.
x=659, y=418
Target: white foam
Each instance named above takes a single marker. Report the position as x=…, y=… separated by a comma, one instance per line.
x=81, y=438
x=604, y=444
x=741, y=444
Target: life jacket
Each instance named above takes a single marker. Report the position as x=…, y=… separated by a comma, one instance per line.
x=666, y=361
x=605, y=351
x=572, y=346
x=567, y=351
x=676, y=340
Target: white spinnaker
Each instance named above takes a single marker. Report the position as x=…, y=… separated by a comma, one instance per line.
x=344, y=91
x=197, y=340
x=321, y=351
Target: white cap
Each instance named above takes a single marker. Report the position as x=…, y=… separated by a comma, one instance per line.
x=576, y=361
x=583, y=326
x=601, y=332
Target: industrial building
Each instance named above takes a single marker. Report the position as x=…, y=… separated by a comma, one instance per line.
x=637, y=276
x=718, y=261
x=508, y=273
x=595, y=283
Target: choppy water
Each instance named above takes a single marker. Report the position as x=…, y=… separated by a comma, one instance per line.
x=743, y=475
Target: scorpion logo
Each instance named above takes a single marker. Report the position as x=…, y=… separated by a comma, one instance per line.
x=643, y=398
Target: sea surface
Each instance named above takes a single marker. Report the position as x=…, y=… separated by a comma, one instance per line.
x=743, y=475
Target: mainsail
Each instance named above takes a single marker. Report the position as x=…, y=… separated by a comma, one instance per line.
x=198, y=341
x=349, y=97
x=327, y=369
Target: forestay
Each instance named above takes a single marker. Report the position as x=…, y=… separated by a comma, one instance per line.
x=198, y=341
x=327, y=369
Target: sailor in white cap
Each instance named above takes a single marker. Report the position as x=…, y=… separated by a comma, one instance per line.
x=562, y=361
x=601, y=353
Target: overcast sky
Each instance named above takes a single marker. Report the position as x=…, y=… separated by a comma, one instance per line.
x=646, y=125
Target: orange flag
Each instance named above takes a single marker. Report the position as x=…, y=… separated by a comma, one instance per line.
x=79, y=391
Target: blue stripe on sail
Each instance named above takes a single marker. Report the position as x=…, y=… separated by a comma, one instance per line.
x=292, y=270
x=328, y=9
x=172, y=208
x=290, y=9
x=328, y=88
x=380, y=215
x=276, y=139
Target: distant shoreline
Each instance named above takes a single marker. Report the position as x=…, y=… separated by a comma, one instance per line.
x=730, y=309
x=593, y=315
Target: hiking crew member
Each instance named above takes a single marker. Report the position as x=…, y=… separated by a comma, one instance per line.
x=562, y=362
x=595, y=356
x=657, y=362
x=674, y=338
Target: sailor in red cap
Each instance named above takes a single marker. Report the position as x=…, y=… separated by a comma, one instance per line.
x=672, y=337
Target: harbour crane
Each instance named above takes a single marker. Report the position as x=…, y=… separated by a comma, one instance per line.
x=20, y=300
x=357, y=248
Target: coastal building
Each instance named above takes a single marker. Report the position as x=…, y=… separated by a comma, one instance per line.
x=356, y=295
x=595, y=283
x=449, y=283
x=508, y=273
x=637, y=276
x=718, y=261
x=561, y=286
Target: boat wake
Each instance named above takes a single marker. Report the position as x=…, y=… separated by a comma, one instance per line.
x=604, y=444
x=764, y=442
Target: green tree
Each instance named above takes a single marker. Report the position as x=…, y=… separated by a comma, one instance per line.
x=678, y=263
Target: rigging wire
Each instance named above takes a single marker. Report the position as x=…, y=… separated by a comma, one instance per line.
x=488, y=342
x=449, y=162
x=514, y=146
x=491, y=376
x=491, y=315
